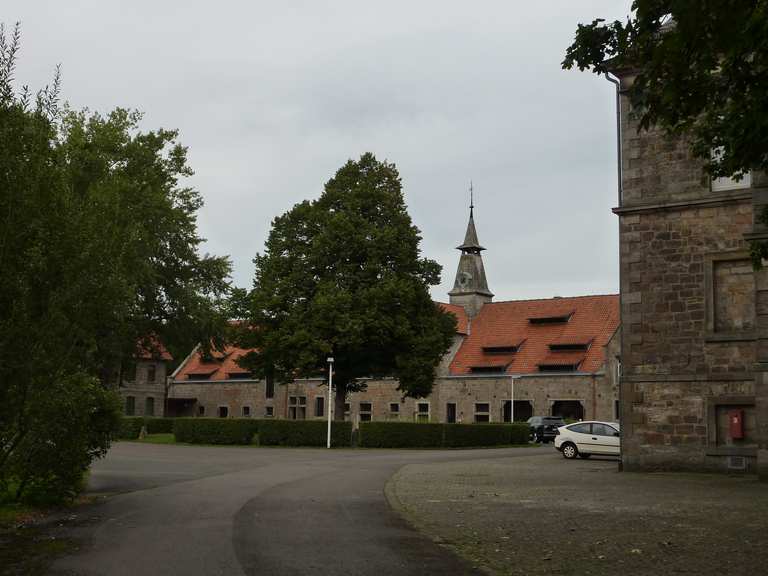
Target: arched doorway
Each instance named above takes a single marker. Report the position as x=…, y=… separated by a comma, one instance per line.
x=568, y=409
x=523, y=410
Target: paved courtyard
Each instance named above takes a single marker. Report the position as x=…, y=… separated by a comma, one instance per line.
x=185, y=510
x=547, y=515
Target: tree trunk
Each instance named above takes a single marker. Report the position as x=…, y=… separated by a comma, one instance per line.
x=340, y=397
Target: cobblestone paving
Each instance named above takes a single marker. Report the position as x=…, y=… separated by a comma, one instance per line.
x=546, y=515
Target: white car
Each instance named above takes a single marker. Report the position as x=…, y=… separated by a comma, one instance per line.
x=586, y=438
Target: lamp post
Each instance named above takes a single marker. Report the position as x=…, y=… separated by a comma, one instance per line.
x=512, y=400
x=330, y=398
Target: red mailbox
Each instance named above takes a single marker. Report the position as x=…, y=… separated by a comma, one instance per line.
x=736, y=423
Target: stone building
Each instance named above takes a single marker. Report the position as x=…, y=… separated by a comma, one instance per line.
x=551, y=351
x=694, y=312
x=143, y=384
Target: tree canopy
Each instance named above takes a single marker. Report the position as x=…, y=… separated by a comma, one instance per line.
x=342, y=276
x=99, y=251
x=701, y=69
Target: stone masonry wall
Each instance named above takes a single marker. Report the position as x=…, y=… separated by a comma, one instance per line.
x=142, y=388
x=688, y=309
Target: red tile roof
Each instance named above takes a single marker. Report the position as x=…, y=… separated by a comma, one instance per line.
x=460, y=313
x=218, y=367
x=593, y=318
x=151, y=349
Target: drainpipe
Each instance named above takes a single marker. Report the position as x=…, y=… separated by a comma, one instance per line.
x=620, y=193
x=615, y=81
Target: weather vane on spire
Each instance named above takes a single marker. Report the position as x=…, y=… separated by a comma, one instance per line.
x=471, y=197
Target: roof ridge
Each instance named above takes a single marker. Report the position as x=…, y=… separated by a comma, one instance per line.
x=551, y=298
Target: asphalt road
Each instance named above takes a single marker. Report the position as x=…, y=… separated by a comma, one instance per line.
x=184, y=510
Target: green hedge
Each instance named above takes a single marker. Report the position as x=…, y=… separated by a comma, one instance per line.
x=400, y=435
x=304, y=433
x=215, y=430
x=415, y=435
x=130, y=426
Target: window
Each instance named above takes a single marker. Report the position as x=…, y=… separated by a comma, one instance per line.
x=129, y=372
x=347, y=408
x=223, y=411
x=366, y=410
x=394, y=411
x=320, y=406
x=151, y=373
x=498, y=349
x=130, y=405
x=149, y=406
x=246, y=411
x=450, y=412
x=554, y=319
x=580, y=428
x=199, y=376
x=201, y=410
x=297, y=407
x=482, y=412
x=269, y=411
x=239, y=375
x=569, y=346
x=270, y=390
x=603, y=430
x=422, y=412
x=729, y=183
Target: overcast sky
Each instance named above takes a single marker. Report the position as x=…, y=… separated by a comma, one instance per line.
x=272, y=98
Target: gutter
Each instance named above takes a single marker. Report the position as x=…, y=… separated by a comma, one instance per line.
x=615, y=81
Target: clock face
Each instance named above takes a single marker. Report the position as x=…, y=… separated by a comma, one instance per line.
x=465, y=278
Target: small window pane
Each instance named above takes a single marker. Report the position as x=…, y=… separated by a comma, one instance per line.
x=394, y=407
x=423, y=408
x=483, y=407
x=246, y=411
x=223, y=411
x=149, y=406
x=269, y=411
x=319, y=406
x=201, y=410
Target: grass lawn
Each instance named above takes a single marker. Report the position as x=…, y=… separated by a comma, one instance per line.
x=168, y=438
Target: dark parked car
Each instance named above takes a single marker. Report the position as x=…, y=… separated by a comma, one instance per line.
x=544, y=428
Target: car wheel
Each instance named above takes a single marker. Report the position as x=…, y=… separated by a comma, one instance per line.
x=585, y=456
x=569, y=450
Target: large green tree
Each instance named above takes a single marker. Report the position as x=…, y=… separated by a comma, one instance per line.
x=701, y=70
x=342, y=276
x=98, y=252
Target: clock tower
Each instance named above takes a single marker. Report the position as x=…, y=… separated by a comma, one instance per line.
x=470, y=289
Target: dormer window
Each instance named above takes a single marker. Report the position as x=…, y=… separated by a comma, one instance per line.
x=551, y=319
x=570, y=346
x=488, y=369
x=502, y=347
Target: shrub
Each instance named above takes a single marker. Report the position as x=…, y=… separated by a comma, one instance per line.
x=159, y=425
x=520, y=433
x=215, y=430
x=414, y=435
x=130, y=427
x=304, y=433
x=462, y=435
x=65, y=431
x=401, y=435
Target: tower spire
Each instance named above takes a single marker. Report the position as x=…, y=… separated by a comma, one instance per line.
x=470, y=289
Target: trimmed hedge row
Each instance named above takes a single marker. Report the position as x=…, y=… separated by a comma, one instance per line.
x=130, y=426
x=215, y=430
x=304, y=433
x=417, y=435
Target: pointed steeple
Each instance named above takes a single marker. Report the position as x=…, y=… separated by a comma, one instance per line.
x=470, y=288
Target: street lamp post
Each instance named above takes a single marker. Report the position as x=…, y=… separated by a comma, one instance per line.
x=330, y=398
x=512, y=400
